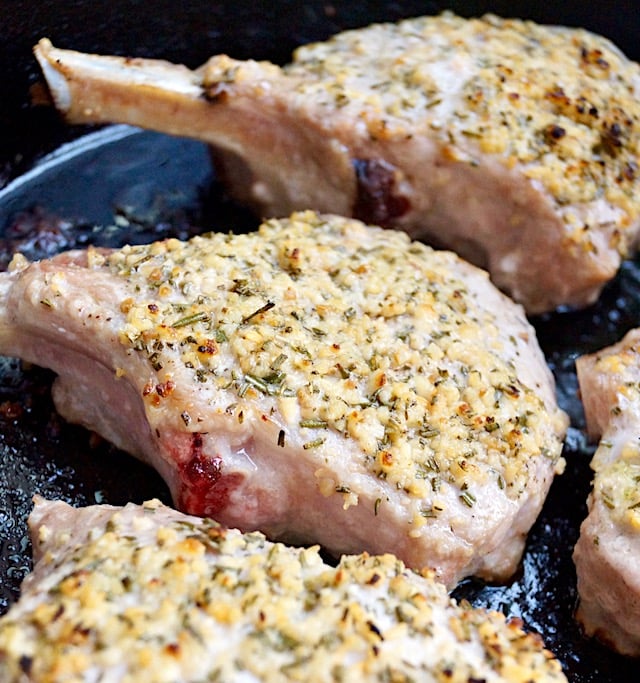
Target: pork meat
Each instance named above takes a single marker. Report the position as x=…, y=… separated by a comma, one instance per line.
x=145, y=593
x=516, y=145
x=607, y=554
x=320, y=380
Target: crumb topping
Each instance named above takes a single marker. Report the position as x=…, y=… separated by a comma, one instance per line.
x=618, y=488
x=155, y=595
x=562, y=103
x=340, y=328
x=617, y=480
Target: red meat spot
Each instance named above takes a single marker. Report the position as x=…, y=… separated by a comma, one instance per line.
x=205, y=487
x=201, y=471
x=376, y=200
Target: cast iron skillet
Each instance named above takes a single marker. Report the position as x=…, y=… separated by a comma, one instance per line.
x=120, y=185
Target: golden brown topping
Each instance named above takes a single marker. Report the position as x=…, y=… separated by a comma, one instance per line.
x=158, y=596
x=563, y=103
x=344, y=329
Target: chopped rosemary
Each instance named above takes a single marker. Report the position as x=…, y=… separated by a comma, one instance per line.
x=190, y=319
x=313, y=444
x=241, y=287
x=345, y=374
x=263, y=309
x=314, y=424
x=429, y=511
x=140, y=261
x=468, y=498
x=607, y=500
x=272, y=384
x=278, y=361
x=256, y=382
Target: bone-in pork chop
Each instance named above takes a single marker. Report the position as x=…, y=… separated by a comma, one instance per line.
x=319, y=380
x=516, y=145
x=607, y=554
x=145, y=593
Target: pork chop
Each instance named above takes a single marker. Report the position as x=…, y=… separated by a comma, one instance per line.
x=319, y=380
x=513, y=144
x=145, y=593
x=607, y=554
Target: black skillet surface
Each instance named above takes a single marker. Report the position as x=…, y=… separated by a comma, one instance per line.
x=119, y=185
